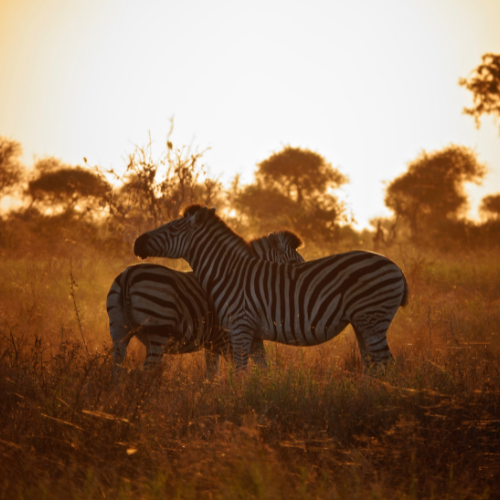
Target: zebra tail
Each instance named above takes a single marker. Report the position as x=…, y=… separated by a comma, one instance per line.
x=406, y=292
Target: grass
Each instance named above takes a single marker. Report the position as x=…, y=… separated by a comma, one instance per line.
x=313, y=425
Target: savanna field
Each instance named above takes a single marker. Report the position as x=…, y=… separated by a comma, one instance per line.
x=313, y=425
x=317, y=123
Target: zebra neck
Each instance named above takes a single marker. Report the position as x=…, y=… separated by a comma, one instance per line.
x=216, y=251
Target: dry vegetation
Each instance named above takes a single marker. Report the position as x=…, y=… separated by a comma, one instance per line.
x=312, y=426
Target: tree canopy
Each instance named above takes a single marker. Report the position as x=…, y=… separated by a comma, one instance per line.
x=59, y=185
x=431, y=190
x=485, y=87
x=298, y=173
x=490, y=205
x=291, y=190
x=11, y=170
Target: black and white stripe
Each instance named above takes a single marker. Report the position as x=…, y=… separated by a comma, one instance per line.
x=168, y=311
x=303, y=304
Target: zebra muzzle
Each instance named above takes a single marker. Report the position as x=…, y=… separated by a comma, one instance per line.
x=141, y=246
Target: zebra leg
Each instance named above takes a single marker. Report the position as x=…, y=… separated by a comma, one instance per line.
x=371, y=333
x=155, y=348
x=258, y=354
x=212, y=360
x=365, y=356
x=118, y=327
x=241, y=343
x=119, y=351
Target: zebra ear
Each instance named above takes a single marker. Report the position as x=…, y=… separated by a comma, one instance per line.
x=274, y=242
x=201, y=216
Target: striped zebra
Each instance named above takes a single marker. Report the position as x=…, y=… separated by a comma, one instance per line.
x=303, y=304
x=168, y=311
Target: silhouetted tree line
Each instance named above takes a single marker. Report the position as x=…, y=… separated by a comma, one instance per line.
x=294, y=188
x=65, y=204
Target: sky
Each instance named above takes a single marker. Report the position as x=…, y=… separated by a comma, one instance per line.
x=367, y=84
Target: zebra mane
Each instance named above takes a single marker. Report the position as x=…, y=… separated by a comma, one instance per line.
x=286, y=237
x=196, y=207
x=192, y=209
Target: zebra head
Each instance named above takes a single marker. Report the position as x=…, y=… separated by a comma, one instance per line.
x=279, y=247
x=173, y=239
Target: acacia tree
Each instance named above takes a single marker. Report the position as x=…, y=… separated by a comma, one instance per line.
x=490, y=205
x=431, y=190
x=292, y=189
x=61, y=187
x=484, y=84
x=11, y=170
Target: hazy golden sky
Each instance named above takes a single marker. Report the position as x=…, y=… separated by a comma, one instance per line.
x=367, y=84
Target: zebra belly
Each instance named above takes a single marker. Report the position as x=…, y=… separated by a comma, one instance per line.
x=307, y=326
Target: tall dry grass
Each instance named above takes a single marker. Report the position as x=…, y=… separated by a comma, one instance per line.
x=313, y=425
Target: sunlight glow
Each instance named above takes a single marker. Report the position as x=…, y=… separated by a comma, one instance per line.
x=368, y=85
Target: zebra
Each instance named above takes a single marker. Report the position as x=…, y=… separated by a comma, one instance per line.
x=168, y=311
x=302, y=304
